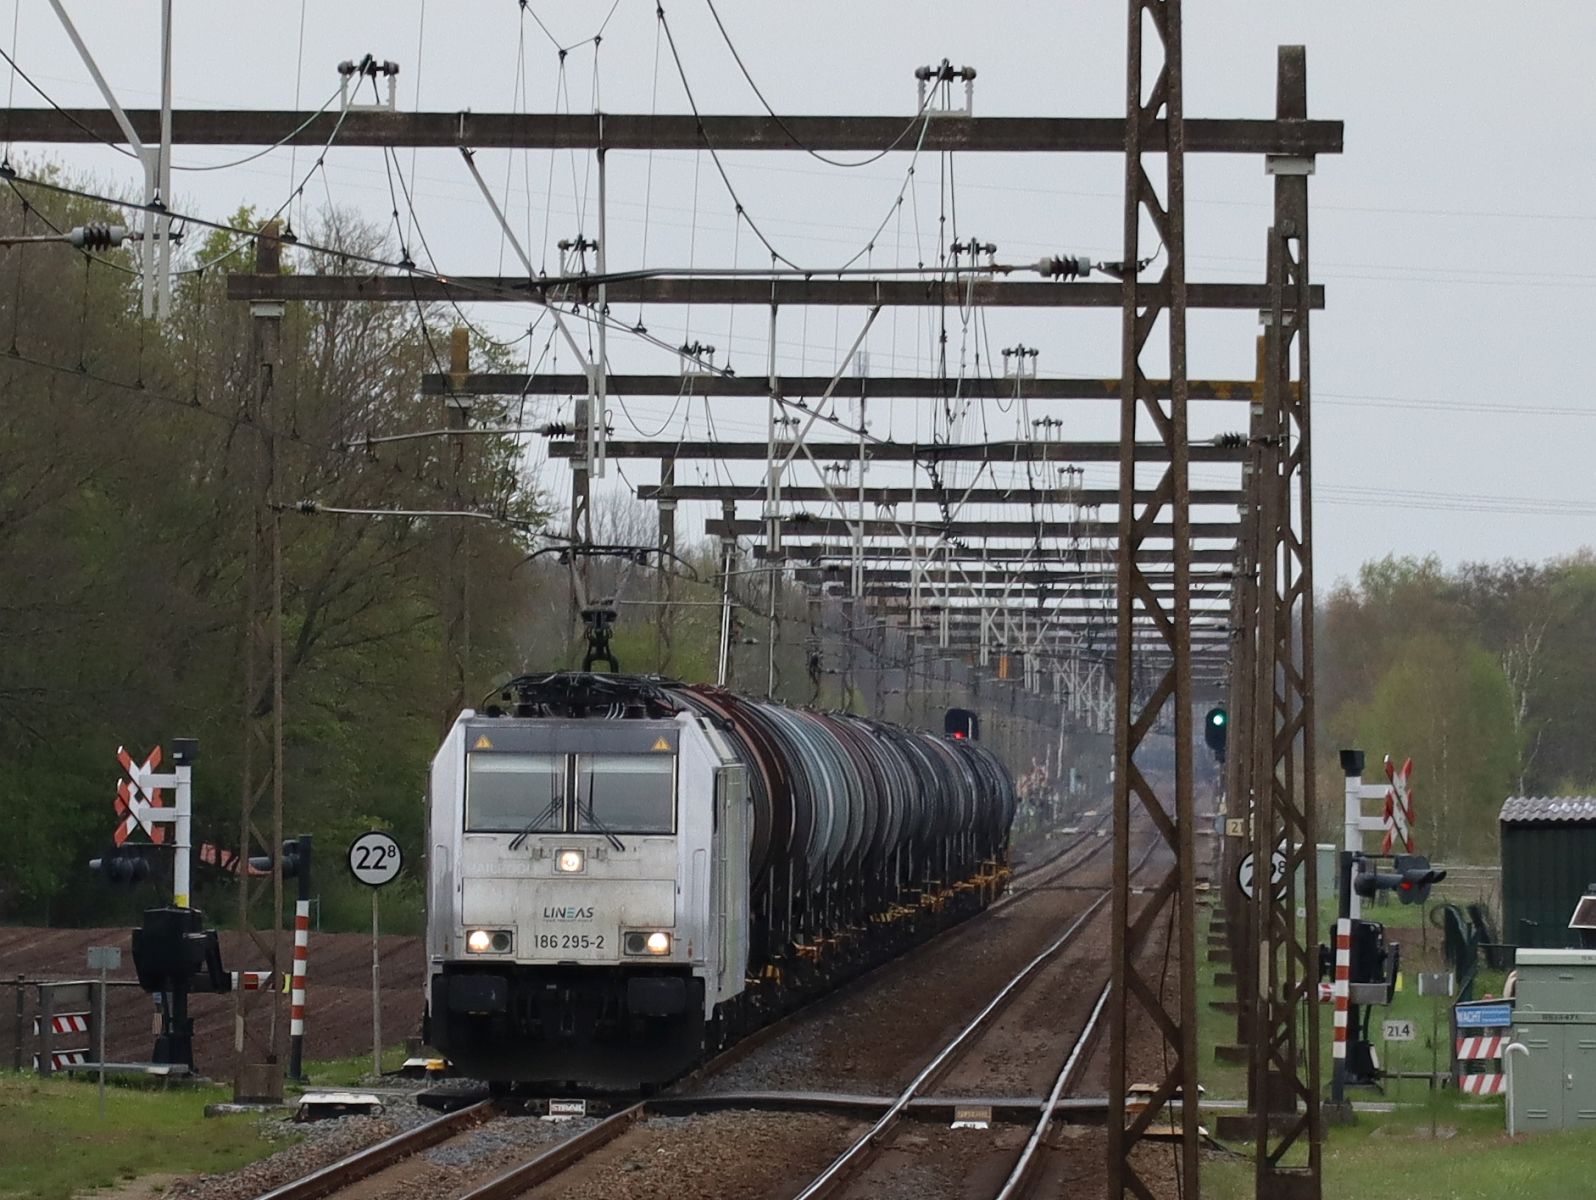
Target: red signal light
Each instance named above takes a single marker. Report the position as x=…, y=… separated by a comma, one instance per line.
x=958, y=735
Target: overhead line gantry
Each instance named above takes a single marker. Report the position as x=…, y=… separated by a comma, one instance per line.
x=1159, y=656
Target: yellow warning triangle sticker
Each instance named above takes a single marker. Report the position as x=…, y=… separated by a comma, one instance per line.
x=661, y=744
x=482, y=743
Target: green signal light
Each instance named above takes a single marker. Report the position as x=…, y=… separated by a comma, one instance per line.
x=1217, y=718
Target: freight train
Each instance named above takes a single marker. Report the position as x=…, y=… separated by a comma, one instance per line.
x=626, y=873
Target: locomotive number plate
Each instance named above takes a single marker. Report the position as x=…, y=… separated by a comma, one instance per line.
x=568, y=941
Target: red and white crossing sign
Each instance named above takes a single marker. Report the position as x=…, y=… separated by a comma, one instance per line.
x=136, y=796
x=1398, y=807
x=140, y=804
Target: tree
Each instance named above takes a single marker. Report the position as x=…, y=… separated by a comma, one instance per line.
x=1562, y=697
x=124, y=524
x=1447, y=705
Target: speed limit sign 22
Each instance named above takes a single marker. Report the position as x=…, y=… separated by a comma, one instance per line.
x=375, y=859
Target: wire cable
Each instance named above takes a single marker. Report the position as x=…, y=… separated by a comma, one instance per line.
x=796, y=140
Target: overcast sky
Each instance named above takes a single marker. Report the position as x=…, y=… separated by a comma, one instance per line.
x=1453, y=408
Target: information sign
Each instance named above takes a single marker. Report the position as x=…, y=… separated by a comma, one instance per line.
x=375, y=859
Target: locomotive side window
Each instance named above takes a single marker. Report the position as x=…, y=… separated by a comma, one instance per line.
x=626, y=793
x=511, y=793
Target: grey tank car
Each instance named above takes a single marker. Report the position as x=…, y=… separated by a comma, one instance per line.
x=627, y=873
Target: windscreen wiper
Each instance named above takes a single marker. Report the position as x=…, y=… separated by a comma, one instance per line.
x=594, y=818
x=536, y=822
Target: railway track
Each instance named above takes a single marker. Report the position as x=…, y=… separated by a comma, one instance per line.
x=356, y=1174
x=836, y=1178
x=846, y=1168
x=761, y=1036
x=363, y=1164
x=846, y=1165
x=1023, y=1172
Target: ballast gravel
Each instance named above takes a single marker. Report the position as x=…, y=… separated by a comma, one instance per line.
x=313, y=1145
x=508, y=1136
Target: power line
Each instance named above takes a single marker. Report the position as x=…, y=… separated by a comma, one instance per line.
x=785, y=128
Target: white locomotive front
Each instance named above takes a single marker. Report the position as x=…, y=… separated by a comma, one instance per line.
x=625, y=871
x=586, y=878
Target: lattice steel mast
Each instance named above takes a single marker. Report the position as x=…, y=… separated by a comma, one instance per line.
x=1154, y=132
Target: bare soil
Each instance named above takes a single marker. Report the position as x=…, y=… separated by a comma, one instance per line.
x=338, y=1002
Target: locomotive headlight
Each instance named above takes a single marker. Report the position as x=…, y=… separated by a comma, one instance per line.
x=638, y=941
x=569, y=862
x=488, y=941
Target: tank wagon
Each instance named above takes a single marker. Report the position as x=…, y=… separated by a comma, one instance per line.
x=627, y=872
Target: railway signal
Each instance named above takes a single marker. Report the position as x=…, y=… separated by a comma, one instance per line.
x=123, y=866
x=1411, y=880
x=295, y=857
x=1366, y=965
x=961, y=725
x=1216, y=731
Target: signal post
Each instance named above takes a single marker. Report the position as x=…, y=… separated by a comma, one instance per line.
x=1365, y=967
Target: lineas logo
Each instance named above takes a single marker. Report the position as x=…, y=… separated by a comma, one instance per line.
x=568, y=912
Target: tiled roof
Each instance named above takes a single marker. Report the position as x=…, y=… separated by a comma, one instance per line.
x=1570, y=810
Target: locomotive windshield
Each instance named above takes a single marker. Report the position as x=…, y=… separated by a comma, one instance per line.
x=606, y=794
x=626, y=793
x=508, y=793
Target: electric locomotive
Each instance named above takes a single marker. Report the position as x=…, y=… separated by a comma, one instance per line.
x=625, y=872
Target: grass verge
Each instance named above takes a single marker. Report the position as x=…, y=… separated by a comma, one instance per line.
x=53, y=1144
x=351, y=1072
x=1473, y=1159
x=1393, y=1154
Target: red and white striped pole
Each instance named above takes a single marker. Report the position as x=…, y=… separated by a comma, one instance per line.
x=296, y=999
x=296, y=1012
x=1341, y=992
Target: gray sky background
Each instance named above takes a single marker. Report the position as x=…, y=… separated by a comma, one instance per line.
x=1453, y=408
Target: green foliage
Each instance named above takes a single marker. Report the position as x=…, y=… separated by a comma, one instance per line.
x=1485, y=675
x=129, y=471
x=1446, y=705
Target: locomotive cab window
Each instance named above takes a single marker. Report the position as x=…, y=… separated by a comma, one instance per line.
x=509, y=793
x=626, y=793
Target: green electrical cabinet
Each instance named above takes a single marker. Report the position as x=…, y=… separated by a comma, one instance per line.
x=1553, y=1085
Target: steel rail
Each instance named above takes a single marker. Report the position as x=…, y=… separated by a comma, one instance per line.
x=836, y=1175
x=764, y=1034
x=828, y=1181
x=363, y=1164
x=557, y=1158
x=1019, y=1177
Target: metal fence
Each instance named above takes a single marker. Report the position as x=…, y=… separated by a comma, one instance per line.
x=54, y=1023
